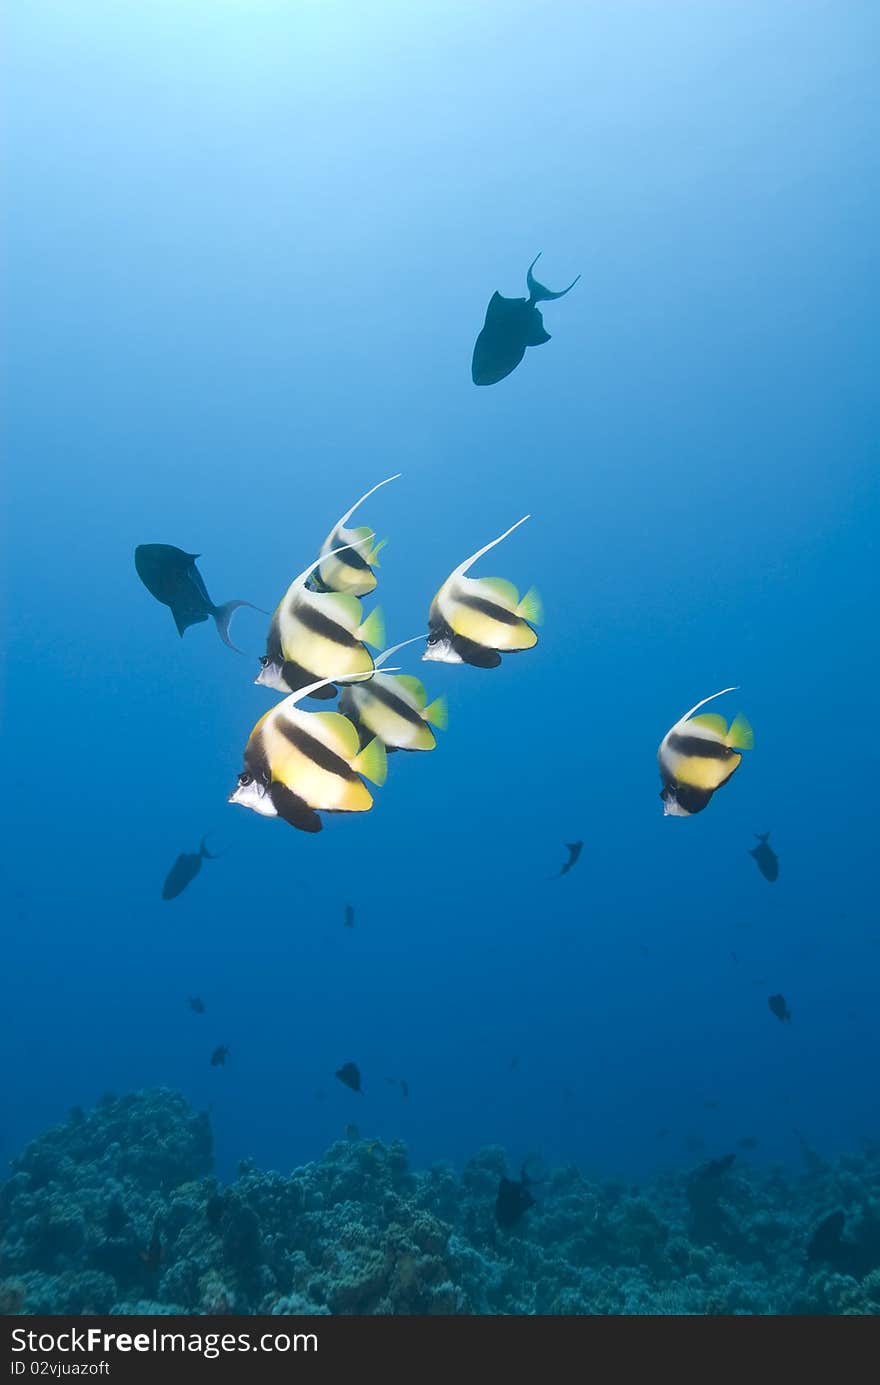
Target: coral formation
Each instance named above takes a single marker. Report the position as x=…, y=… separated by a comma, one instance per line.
x=117, y=1211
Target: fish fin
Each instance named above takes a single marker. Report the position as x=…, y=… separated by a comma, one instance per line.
x=414, y=686
x=537, y=292
x=469, y=562
x=372, y=762
x=343, y=732
x=293, y=809
x=372, y=491
x=531, y=608
x=537, y=334
x=741, y=735
x=386, y=653
x=372, y=630
x=347, y=608
x=437, y=713
x=373, y=555
x=503, y=591
x=702, y=703
x=713, y=721
x=763, y=836
x=223, y=615
x=206, y=854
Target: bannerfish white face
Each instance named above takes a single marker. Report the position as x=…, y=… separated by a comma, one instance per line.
x=441, y=650
x=250, y=793
x=269, y=675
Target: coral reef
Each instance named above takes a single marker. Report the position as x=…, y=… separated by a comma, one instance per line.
x=117, y=1211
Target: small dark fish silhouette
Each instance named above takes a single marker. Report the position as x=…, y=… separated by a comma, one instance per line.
x=779, y=1007
x=514, y=1064
x=747, y=1142
x=694, y=1143
x=513, y=1200
x=196, y=1003
x=115, y=1218
x=574, y=850
x=349, y=1075
x=352, y=1133
x=154, y=1254
x=185, y=870
x=348, y=921
x=765, y=857
x=734, y=959
x=711, y=1104
x=171, y=576
x=713, y=1168
x=401, y=1083
x=219, y=1056
x=511, y=325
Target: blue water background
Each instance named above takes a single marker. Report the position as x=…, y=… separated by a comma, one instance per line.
x=249, y=250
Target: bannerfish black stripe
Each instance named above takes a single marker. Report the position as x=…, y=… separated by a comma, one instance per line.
x=350, y=557
x=691, y=799
x=397, y=704
x=488, y=608
x=701, y=749
x=256, y=761
x=295, y=677
x=315, y=750
x=319, y=624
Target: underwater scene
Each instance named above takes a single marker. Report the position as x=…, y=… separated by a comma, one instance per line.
x=440, y=601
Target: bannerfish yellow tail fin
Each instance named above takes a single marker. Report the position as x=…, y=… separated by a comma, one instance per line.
x=437, y=713
x=741, y=736
x=372, y=762
x=372, y=491
x=372, y=631
x=468, y=562
x=531, y=608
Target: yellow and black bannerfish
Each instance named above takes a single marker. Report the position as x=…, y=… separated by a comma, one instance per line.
x=474, y=620
x=297, y=764
x=395, y=707
x=699, y=754
x=346, y=564
x=316, y=633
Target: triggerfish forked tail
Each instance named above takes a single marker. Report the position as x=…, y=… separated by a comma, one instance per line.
x=699, y=754
x=394, y=707
x=511, y=325
x=298, y=763
x=474, y=620
x=172, y=577
x=346, y=562
x=316, y=633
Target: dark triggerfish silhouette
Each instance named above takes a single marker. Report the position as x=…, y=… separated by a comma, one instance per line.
x=779, y=1005
x=349, y=1075
x=185, y=870
x=172, y=577
x=511, y=325
x=574, y=850
x=765, y=857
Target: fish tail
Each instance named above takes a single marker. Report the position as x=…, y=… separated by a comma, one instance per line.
x=531, y=608
x=437, y=713
x=741, y=736
x=372, y=630
x=763, y=837
x=206, y=854
x=223, y=616
x=537, y=292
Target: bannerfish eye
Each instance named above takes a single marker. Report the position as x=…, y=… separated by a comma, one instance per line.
x=264, y=661
x=243, y=780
